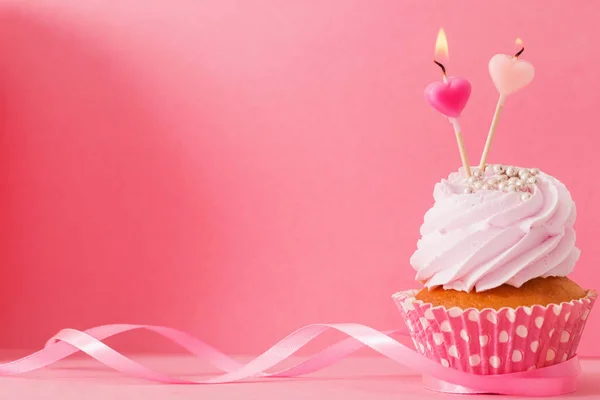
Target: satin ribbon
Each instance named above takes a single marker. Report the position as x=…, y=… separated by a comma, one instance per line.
x=557, y=379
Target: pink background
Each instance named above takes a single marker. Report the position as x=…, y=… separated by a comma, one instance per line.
x=241, y=168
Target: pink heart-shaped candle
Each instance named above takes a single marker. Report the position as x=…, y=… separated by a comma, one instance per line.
x=449, y=97
x=510, y=74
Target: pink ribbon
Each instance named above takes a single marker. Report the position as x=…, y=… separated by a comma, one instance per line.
x=557, y=379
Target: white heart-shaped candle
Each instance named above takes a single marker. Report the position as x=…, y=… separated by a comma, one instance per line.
x=510, y=74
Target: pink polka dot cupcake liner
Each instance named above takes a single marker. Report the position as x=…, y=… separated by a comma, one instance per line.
x=491, y=342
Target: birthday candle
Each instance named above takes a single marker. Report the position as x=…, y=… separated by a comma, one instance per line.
x=449, y=96
x=509, y=74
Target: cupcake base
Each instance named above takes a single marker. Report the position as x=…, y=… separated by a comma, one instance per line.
x=491, y=342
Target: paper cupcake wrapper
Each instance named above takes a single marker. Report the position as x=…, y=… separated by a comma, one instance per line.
x=490, y=342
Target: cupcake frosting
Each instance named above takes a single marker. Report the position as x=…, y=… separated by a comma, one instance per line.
x=488, y=238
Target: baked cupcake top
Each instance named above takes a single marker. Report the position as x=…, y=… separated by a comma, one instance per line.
x=506, y=226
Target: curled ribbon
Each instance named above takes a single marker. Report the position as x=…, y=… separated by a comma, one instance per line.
x=553, y=380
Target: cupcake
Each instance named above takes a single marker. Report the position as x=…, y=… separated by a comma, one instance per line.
x=494, y=259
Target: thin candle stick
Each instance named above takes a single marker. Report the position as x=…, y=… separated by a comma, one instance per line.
x=492, y=131
x=461, y=146
x=458, y=132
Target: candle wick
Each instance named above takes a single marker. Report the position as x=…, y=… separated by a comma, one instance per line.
x=519, y=52
x=441, y=66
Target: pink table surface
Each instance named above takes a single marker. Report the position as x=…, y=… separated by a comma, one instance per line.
x=354, y=378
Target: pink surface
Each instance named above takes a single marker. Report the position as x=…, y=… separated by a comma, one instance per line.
x=354, y=378
x=230, y=164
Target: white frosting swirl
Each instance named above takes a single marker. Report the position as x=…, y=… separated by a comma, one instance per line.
x=489, y=238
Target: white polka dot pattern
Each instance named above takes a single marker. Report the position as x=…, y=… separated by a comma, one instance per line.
x=453, y=351
x=446, y=327
x=556, y=309
x=511, y=315
x=534, y=345
x=455, y=312
x=474, y=360
x=495, y=342
x=503, y=337
x=539, y=321
x=464, y=335
x=473, y=316
x=408, y=306
x=522, y=331
x=517, y=356
x=429, y=314
x=495, y=361
x=483, y=340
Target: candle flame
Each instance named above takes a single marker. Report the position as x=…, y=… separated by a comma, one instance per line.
x=520, y=46
x=519, y=43
x=441, y=46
